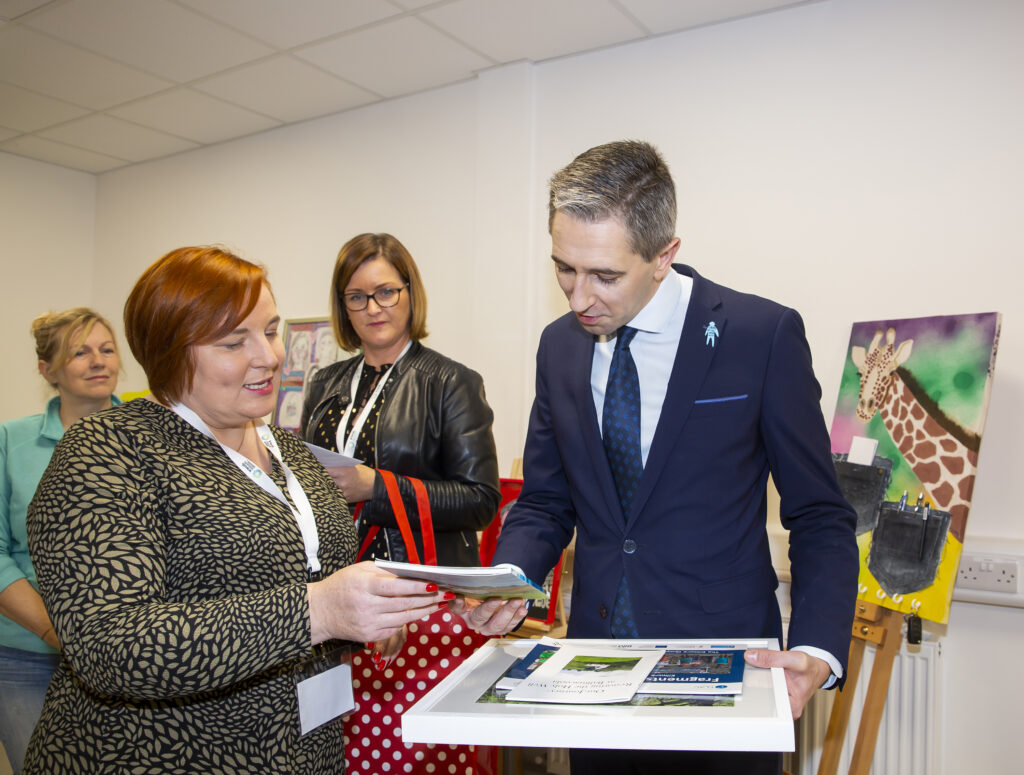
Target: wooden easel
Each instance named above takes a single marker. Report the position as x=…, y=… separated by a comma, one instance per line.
x=881, y=626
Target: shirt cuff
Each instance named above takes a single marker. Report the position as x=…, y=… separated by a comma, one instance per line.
x=833, y=663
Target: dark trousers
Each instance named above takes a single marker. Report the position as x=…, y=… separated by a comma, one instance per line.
x=598, y=761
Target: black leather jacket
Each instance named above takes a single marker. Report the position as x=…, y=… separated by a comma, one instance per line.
x=435, y=424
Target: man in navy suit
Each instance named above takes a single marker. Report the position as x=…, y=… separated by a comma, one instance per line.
x=726, y=397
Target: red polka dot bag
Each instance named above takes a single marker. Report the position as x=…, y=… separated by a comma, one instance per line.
x=436, y=645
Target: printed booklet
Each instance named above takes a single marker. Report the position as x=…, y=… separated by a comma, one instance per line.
x=587, y=674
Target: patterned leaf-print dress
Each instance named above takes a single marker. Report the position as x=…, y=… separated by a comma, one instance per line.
x=177, y=588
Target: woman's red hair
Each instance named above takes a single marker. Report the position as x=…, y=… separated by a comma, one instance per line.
x=190, y=296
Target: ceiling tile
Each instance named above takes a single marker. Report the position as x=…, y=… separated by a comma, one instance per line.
x=153, y=35
x=660, y=16
x=12, y=9
x=288, y=24
x=286, y=89
x=28, y=111
x=58, y=153
x=193, y=115
x=47, y=66
x=6, y=133
x=534, y=29
x=117, y=138
x=410, y=5
x=396, y=58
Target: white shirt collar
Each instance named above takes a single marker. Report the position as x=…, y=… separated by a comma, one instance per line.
x=663, y=308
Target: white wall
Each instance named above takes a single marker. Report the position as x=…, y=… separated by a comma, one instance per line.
x=47, y=223
x=857, y=159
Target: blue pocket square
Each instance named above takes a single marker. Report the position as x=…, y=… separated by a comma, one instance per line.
x=720, y=400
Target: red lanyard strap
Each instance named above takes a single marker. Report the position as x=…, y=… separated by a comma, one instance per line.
x=422, y=507
x=370, y=534
x=426, y=522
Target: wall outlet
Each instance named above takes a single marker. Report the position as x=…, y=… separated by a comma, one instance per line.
x=987, y=573
x=990, y=571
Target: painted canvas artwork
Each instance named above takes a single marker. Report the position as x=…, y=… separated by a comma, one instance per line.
x=309, y=346
x=920, y=387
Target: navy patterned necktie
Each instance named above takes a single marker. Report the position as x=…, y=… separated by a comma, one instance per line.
x=620, y=422
x=620, y=429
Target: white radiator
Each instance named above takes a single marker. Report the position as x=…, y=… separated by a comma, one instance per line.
x=908, y=739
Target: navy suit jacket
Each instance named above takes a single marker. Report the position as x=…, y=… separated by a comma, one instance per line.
x=694, y=547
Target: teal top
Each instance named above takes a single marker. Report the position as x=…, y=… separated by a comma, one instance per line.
x=26, y=445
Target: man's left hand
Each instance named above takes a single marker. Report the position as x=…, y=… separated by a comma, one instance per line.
x=804, y=674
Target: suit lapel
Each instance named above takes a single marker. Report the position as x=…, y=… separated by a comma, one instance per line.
x=693, y=359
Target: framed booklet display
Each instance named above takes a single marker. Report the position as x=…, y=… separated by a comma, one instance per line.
x=467, y=708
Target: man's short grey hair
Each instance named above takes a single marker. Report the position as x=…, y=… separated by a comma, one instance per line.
x=627, y=180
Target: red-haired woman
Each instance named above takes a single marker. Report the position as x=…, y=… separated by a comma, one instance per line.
x=196, y=563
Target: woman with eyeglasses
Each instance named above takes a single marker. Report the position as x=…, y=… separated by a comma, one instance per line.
x=405, y=410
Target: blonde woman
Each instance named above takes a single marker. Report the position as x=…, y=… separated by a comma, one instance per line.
x=78, y=357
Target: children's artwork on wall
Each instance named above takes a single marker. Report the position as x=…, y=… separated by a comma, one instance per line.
x=920, y=387
x=309, y=345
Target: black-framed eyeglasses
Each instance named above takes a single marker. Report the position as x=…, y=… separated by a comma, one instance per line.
x=385, y=297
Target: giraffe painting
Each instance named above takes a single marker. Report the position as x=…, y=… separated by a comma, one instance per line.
x=942, y=454
x=920, y=387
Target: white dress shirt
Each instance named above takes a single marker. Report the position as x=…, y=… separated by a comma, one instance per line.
x=659, y=325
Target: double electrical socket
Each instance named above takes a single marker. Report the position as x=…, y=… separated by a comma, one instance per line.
x=988, y=573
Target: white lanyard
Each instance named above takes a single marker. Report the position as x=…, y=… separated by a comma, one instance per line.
x=299, y=506
x=348, y=446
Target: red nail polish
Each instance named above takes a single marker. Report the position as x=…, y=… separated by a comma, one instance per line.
x=431, y=587
x=377, y=656
x=449, y=595
x=369, y=646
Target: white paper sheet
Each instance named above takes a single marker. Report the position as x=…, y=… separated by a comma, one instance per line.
x=330, y=459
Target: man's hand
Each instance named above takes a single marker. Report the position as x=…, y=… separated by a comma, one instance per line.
x=804, y=674
x=492, y=617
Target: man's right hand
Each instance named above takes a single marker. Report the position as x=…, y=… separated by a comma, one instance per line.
x=491, y=617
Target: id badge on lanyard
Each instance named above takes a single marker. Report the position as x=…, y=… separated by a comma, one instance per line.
x=323, y=686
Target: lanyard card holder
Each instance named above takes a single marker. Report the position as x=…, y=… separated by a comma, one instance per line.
x=323, y=684
x=906, y=546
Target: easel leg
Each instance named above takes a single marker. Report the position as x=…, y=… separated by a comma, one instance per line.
x=874, y=701
x=839, y=718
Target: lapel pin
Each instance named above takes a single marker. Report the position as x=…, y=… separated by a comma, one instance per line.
x=710, y=334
